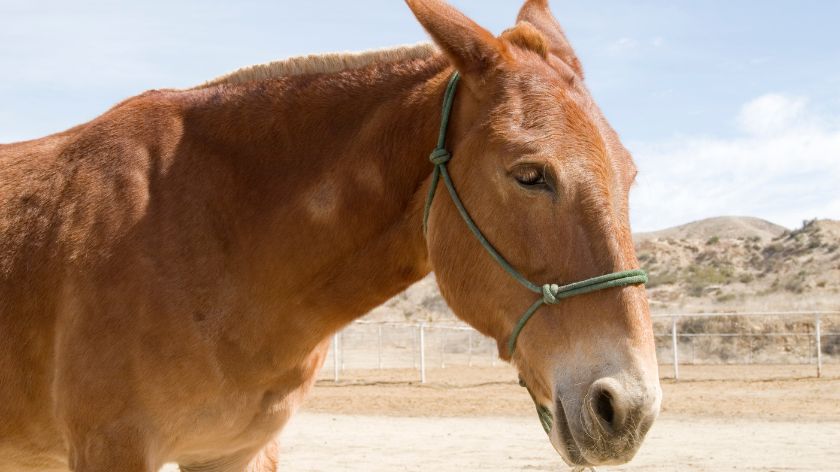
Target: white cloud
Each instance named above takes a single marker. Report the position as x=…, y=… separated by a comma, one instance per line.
x=784, y=168
x=771, y=113
x=623, y=45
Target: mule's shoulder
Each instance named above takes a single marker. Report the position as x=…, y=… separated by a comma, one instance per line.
x=29, y=187
x=78, y=189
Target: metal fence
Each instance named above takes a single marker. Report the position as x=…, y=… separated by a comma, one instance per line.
x=757, y=338
x=420, y=346
x=682, y=339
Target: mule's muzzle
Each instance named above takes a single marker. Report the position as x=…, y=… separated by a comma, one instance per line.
x=610, y=422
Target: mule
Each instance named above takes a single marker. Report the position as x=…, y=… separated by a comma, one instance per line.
x=171, y=272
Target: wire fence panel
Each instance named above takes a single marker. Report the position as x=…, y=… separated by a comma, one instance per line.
x=785, y=338
x=699, y=339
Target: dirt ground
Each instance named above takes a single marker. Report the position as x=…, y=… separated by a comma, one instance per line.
x=325, y=442
x=465, y=419
x=722, y=392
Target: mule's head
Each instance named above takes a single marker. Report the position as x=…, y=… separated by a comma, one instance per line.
x=546, y=179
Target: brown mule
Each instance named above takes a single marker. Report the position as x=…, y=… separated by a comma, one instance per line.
x=171, y=271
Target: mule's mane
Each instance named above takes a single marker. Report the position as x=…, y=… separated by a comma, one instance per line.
x=324, y=63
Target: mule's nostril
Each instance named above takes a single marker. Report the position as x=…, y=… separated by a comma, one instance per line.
x=604, y=406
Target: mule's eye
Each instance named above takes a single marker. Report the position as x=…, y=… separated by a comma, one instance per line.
x=529, y=176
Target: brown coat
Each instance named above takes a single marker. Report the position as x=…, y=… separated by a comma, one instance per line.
x=171, y=271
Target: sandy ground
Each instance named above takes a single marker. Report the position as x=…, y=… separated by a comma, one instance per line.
x=321, y=442
x=747, y=392
x=467, y=419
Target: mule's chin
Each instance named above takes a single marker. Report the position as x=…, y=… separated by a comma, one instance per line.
x=563, y=441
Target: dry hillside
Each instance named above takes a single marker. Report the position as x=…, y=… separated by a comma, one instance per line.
x=725, y=227
x=714, y=264
x=744, y=264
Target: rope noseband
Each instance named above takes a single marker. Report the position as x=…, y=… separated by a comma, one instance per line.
x=550, y=294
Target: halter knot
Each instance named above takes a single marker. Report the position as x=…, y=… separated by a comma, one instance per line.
x=549, y=293
x=440, y=156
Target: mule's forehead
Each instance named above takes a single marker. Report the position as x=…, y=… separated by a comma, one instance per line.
x=548, y=113
x=554, y=119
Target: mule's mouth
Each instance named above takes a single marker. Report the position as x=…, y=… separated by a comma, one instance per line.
x=563, y=441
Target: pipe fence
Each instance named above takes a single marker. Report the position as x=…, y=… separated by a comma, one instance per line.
x=682, y=339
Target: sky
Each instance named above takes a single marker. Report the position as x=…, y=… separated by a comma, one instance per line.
x=729, y=107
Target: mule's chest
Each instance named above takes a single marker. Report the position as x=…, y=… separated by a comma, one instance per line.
x=240, y=421
x=237, y=418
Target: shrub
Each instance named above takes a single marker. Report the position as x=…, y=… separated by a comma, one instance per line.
x=667, y=278
x=701, y=277
x=710, y=275
x=795, y=284
x=726, y=297
x=772, y=249
x=695, y=290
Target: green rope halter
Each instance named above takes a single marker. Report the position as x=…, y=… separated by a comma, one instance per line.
x=550, y=293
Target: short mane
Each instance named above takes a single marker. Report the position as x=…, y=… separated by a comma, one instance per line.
x=324, y=63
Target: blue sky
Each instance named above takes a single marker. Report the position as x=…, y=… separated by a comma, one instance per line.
x=728, y=107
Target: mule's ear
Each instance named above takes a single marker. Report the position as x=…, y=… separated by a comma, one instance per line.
x=538, y=14
x=473, y=50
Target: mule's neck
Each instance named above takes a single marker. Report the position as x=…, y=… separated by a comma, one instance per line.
x=334, y=169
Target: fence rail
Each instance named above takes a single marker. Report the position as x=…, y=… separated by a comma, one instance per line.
x=733, y=338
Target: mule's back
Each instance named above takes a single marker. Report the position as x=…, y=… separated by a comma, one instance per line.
x=29, y=188
x=63, y=198
x=31, y=185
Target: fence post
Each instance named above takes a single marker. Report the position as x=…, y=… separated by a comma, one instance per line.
x=335, y=357
x=422, y=348
x=674, y=342
x=819, y=347
x=379, y=346
x=341, y=348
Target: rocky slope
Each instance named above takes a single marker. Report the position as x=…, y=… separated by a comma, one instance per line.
x=716, y=264
x=745, y=265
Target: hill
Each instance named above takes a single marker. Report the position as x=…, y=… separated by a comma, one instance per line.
x=728, y=227
x=797, y=269
x=714, y=264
